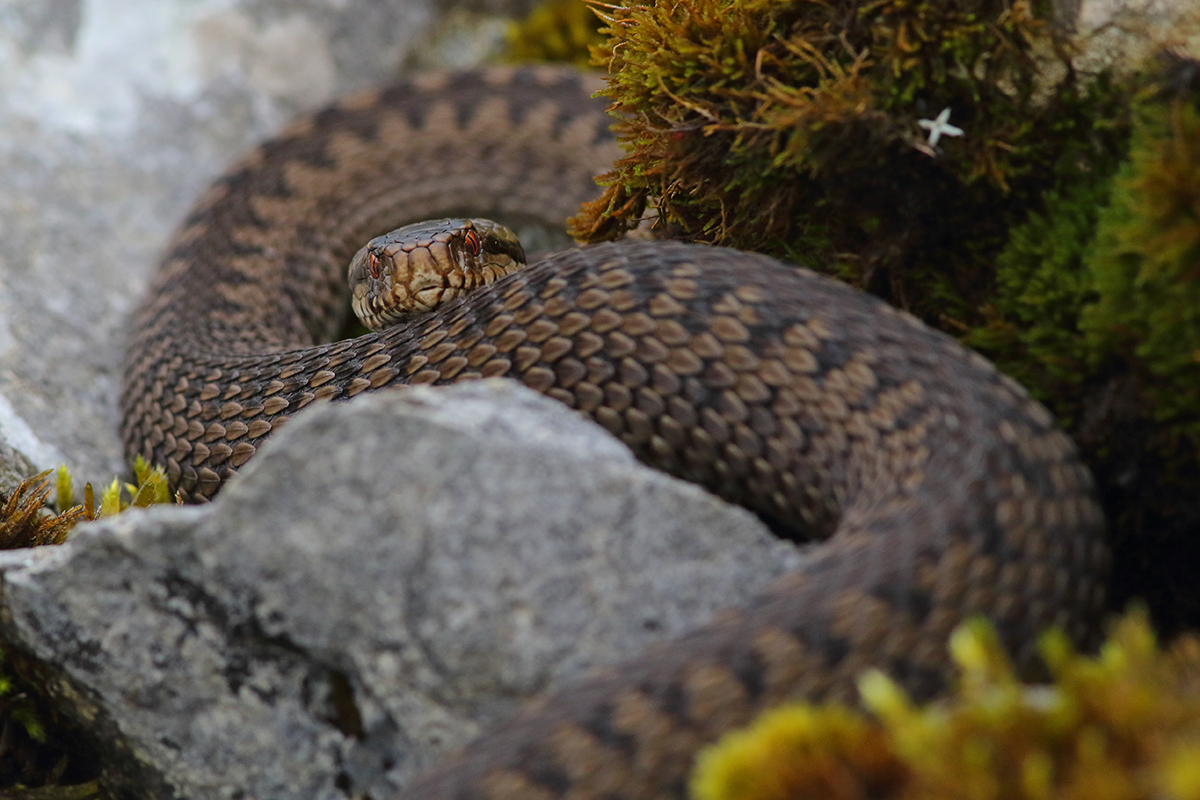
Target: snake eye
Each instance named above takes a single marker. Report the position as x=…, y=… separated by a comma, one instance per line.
x=473, y=242
x=373, y=264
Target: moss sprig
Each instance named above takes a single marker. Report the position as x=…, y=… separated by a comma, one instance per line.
x=150, y=487
x=16, y=708
x=24, y=522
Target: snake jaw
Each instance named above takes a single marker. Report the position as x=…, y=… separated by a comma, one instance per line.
x=430, y=297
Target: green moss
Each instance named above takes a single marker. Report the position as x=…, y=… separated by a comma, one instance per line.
x=1124, y=725
x=1094, y=310
x=1042, y=285
x=1103, y=281
x=1106, y=274
x=1145, y=263
x=17, y=708
x=150, y=488
x=1031, y=321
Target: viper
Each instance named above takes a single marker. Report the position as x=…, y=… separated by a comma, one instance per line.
x=937, y=488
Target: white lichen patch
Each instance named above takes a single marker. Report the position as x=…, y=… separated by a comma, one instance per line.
x=286, y=60
x=100, y=81
x=126, y=55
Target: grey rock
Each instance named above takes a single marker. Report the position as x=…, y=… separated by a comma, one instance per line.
x=113, y=118
x=14, y=468
x=382, y=580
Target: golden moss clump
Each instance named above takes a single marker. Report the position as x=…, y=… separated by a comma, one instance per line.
x=1124, y=725
x=24, y=522
x=557, y=30
x=799, y=752
x=151, y=487
x=27, y=521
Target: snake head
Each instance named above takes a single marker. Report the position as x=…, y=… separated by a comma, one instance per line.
x=420, y=267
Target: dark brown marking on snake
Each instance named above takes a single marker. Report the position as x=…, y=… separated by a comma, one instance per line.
x=940, y=488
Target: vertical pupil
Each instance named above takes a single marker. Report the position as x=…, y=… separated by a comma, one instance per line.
x=473, y=243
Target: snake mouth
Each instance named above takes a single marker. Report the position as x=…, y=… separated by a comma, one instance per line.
x=428, y=298
x=386, y=309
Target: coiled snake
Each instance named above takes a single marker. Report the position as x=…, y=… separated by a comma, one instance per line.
x=942, y=489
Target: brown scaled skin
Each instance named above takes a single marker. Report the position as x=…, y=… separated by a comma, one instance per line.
x=942, y=490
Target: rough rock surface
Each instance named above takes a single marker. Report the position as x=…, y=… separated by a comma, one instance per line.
x=114, y=114
x=383, y=578
x=14, y=467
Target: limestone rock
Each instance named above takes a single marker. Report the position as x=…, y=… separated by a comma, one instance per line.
x=14, y=468
x=383, y=579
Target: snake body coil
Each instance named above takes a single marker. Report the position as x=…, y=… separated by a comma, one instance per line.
x=944, y=491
